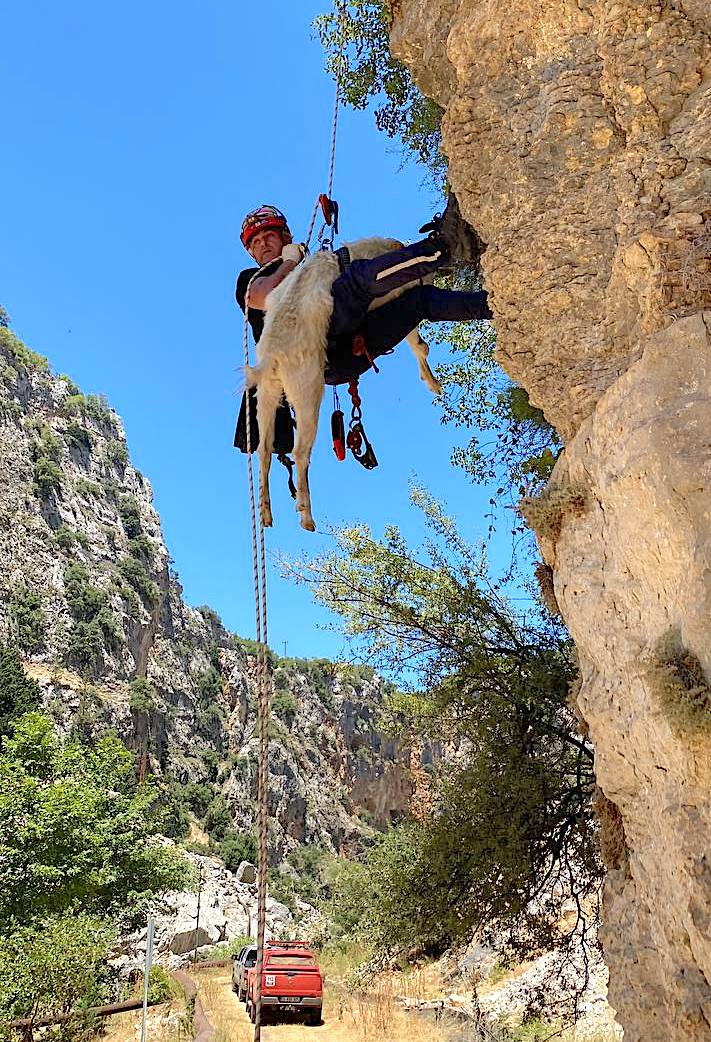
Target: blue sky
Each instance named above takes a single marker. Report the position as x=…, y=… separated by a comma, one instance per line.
x=135, y=138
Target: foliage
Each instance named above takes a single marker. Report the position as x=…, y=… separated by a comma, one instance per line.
x=117, y=453
x=47, y=477
x=356, y=43
x=66, y=538
x=92, y=406
x=511, y=444
x=284, y=706
x=545, y=512
x=175, y=817
x=210, y=616
x=56, y=965
x=512, y=824
x=19, y=694
x=88, y=489
x=95, y=624
x=142, y=696
x=20, y=353
x=76, y=829
x=677, y=680
x=218, y=818
x=161, y=986
x=130, y=513
x=136, y=575
x=78, y=436
x=71, y=386
x=236, y=847
x=27, y=619
x=4, y=318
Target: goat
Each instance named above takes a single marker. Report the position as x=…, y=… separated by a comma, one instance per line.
x=291, y=359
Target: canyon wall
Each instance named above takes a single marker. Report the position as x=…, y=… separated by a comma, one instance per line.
x=578, y=134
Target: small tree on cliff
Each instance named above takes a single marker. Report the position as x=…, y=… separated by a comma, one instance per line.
x=513, y=833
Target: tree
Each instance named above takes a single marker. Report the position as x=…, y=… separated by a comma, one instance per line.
x=28, y=619
x=76, y=829
x=54, y=966
x=18, y=693
x=512, y=834
x=356, y=42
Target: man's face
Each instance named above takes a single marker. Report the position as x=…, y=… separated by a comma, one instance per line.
x=266, y=246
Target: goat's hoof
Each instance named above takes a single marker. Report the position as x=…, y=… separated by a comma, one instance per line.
x=435, y=386
x=266, y=518
x=309, y=524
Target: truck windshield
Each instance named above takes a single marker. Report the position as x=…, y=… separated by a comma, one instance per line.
x=295, y=960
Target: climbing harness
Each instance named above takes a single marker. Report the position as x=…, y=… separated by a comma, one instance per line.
x=357, y=440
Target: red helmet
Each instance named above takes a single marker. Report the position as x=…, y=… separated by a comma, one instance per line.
x=262, y=219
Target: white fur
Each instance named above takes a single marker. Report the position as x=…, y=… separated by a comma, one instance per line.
x=291, y=359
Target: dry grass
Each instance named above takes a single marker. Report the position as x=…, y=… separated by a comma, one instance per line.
x=677, y=680
x=166, y=1023
x=545, y=513
x=346, y=1017
x=544, y=577
x=613, y=847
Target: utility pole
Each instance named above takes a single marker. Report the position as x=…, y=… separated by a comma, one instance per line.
x=147, y=975
x=285, y=644
x=197, y=917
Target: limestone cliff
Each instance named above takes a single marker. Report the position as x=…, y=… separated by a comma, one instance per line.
x=87, y=593
x=578, y=134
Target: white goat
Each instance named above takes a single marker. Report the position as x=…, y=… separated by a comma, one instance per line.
x=291, y=359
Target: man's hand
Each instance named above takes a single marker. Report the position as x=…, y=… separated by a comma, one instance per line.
x=294, y=252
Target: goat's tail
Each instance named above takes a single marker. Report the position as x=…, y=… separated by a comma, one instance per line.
x=254, y=374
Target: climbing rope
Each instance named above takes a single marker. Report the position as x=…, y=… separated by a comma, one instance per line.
x=341, y=8
x=264, y=679
x=263, y=692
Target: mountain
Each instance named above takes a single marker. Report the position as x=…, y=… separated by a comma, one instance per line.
x=88, y=596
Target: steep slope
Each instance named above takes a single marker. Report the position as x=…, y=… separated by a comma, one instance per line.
x=87, y=594
x=578, y=133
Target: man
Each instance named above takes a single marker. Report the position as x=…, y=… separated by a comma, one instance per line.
x=268, y=240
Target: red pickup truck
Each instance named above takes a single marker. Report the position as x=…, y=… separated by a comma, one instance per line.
x=291, y=983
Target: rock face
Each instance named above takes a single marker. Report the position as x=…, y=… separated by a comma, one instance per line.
x=87, y=594
x=579, y=140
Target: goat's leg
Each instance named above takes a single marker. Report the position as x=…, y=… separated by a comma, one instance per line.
x=268, y=397
x=305, y=392
x=420, y=349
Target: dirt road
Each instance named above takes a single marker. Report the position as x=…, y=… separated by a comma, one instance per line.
x=346, y=1018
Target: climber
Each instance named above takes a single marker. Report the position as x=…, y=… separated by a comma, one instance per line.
x=268, y=240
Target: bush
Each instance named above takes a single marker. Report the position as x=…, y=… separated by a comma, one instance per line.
x=130, y=514
x=142, y=549
x=67, y=538
x=546, y=512
x=22, y=354
x=117, y=453
x=218, y=819
x=83, y=599
x=18, y=693
x=56, y=966
x=237, y=847
x=677, y=680
x=198, y=797
x=135, y=573
x=71, y=386
x=95, y=624
x=284, y=706
x=85, y=647
x=77, y=436
x=47, y=477
x=27, y=619
x=142, y=697
x=88, y=489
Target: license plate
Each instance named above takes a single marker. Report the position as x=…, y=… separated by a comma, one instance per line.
x=270, y=980
x=289, y=1007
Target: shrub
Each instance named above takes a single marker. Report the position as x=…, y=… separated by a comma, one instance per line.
x=544, y=577
x=84, y=600
x=66, y=538
x=28, y=619
x=71, y=386
x=210, y=616
x=4, y=318
x=218, y=818
x=45, y=443
x=198, y=797
x=546, y=512
x=284, y=706
x=98, y=408
x=22, y=354
x=677, y=681
x=85, y=646
x=141, y=548
x=130, y=514
x=88, y=489
x=47, y=477
x=19, y=694
x=142, y=697
x=117, y=453
x=78, y=436
x=237, y=847
x=135, y=573
x=74, y=404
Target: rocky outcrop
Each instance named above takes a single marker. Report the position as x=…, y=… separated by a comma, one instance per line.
x=578, y=141
x=87, y=593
